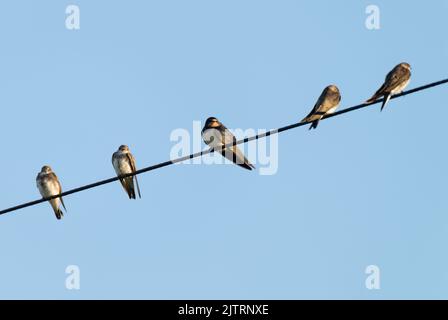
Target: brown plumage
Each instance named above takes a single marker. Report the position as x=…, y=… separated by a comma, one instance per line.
x=326, y=104
x=396, y=81
x=216, y=135
x=48, y=184
x=124, y=163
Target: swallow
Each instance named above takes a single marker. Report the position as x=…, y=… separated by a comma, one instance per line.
x=396, y=81
x=124, y=163
x=327, y=104
x=216, y=135
x=48, y=185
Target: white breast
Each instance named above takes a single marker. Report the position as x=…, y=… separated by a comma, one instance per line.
x=214, y=136
x=400, y=88
x=48, y=188
x=122, y=165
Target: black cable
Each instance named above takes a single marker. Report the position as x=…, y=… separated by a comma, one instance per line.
x=199, y=154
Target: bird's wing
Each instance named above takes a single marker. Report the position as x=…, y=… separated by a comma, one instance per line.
x=317, y=112
x=131, y=160
x=227, y=137
x=394, y=79
x=128, y=188
x=115, y=163
x=57, y=211
x=233, y=153
x=39, y=185
x=114, y=156
x=59, y=189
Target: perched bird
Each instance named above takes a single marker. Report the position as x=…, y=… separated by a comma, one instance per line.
x=396, y=81
x=216, y=135
x=124, y=163
x=327, y=103
x=48, y=185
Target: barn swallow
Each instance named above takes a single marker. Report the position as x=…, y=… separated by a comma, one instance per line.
x=124, y=163
x=216, y=135
x=396, y=81
x=48, y=185
x=327, y=103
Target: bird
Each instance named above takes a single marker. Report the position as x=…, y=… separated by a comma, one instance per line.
x=396, y=81
x=48, y=185
x=216, y=135
x=124, y=163
x=327, y=103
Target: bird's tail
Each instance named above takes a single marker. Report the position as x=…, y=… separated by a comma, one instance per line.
x=247, y=166
x=385, y=101
x=314, y=125
x=138, y=187
x=373, y=98
x=57, y=210
x=313, y=118
x=380, y=92
x=63, y=204
x=236, y=156
x=130, y=187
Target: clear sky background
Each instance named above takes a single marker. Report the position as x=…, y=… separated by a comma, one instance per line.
x=366, y=188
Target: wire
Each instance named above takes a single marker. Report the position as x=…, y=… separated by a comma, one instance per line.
x=202, y=153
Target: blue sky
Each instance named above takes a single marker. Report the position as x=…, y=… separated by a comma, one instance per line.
x=366, y=188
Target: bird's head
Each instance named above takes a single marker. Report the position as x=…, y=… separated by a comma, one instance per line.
x=123, y=148
x=333, y=88
x=406, y=65
x=212, y=122
x=46, y=169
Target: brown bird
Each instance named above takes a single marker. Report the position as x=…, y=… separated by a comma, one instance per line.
x=327, y=103
x=48, y=185
x=124, y=163
x=216, y=135
x=396, y=81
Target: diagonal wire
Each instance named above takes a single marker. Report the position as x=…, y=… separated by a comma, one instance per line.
x=202, y=153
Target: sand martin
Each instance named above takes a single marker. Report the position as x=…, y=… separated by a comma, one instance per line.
x=216, y=135
x=327, y=103
x=124, y=163
x=48, y=185
x=396, y=81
